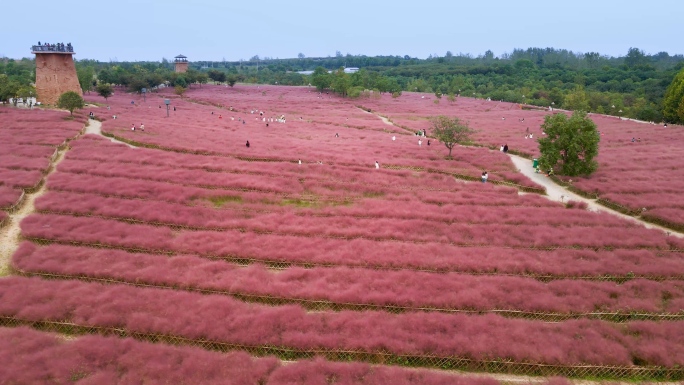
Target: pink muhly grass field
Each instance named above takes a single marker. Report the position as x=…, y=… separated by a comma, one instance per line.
x=639, y=174
x=9, y=196
x=195, y=316
x=229, y=215
x=32, y=357
x=20, y=178
x=35, y=357
x=408, y=234
x=22, y=162
x=117, y=233
x=355, y=252
x=319, y=371
x=36, y=127
x=356, y=285
x=194, y=128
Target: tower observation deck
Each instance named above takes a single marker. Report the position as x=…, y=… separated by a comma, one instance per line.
x=181, y=63
x=55, y=71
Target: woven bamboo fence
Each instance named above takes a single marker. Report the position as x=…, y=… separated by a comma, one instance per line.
x=284, y=264
x=636, y=373
x=324, y=305
x=16, y=205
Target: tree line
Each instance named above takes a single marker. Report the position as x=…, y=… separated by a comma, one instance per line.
x=637, y=85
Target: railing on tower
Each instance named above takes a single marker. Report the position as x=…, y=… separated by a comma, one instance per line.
x=58, y=47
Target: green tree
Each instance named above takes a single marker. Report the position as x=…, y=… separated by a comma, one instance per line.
x=180, y=90
x=635, y=57
x=576, y=100
x=231, y=79
x=85, y=76
x=105, y=90
x=180, y=81
x=9, y=88
x=217, y=76
x=570, y=144
x=321, y=79
x=673, y=102
x=202, y=78
x=70, y=100
x=27, y=91
x=450, y=131
x=340, y=82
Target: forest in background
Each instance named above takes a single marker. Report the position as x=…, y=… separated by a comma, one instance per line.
x=637, y=85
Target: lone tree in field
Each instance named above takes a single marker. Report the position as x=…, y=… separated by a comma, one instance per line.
x=104, y=90
x=70, y=100
x=451, y=131
x=231, y=80
x=570, y=144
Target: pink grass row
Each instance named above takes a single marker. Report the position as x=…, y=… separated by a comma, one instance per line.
x=9, y=196
x=247, y=215
x=355, y=252
x=33, y=357
x=347, y=228
x=341, y=285
x=195, y=316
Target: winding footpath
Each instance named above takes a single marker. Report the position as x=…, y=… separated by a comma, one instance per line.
x=559, y=193
x=10, y=235
x=95, y=128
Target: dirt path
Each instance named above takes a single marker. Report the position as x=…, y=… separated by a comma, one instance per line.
x=558, y=193
x=95, y=128
x=384, y=119
x=10, y=234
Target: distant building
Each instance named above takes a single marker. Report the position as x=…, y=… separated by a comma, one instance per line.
x=181, y=64
x=347, y=70
x=55, y=71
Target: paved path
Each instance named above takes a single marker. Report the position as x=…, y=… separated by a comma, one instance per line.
x=95, y=127
x=558, y=193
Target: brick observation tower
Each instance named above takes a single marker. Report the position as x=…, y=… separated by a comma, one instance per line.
x=181, y=63
x=55, y=71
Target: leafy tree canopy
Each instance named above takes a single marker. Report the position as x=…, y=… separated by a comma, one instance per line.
x=450, y=131
x=105, y=90
x=570, y=144
x=180, y=90
x=673, y=103
x=321, y=79
x=70, y=100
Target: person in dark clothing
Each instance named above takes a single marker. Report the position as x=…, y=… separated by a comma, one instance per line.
x=505, y=148
x=247, y=144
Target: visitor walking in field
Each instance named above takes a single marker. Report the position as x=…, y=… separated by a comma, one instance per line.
x=377, y=165
x=247, y=144
x=505, y=148
x=485, y=176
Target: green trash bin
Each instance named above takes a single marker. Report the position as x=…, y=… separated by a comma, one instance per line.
x=535, y=163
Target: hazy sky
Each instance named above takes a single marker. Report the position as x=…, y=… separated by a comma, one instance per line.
x=128, y=30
